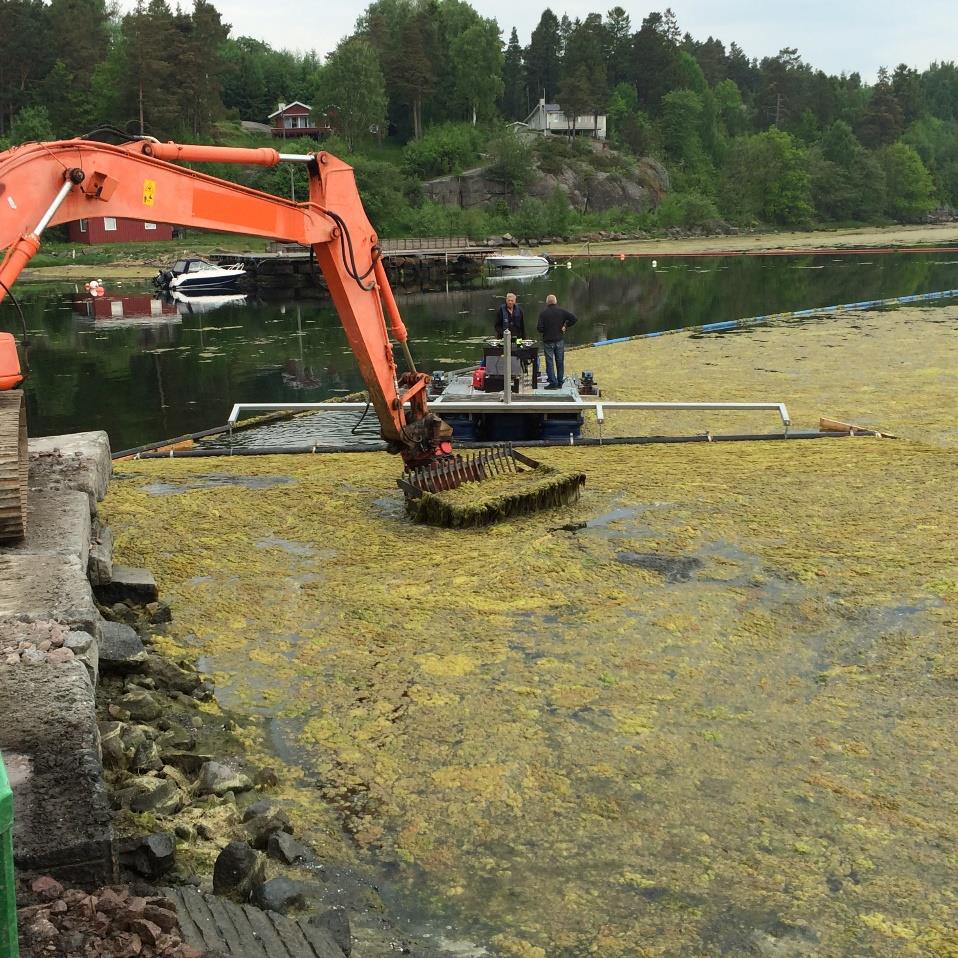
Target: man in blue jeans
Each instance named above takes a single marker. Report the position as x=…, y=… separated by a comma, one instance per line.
x=553, y=322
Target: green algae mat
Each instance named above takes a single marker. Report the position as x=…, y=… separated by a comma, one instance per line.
x=717, y=720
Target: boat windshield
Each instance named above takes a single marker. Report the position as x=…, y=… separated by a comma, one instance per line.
x=196, y=265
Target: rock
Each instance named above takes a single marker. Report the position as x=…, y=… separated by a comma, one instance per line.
x=78, y=642
x=32, y=657
x=175, y=775
x=41, y=929
x=237, y=870
x=152, y=856
x=217, y=779
x=263, y=807
x=266, y=778
x=146, y=930
x=204, y=692
x=336, y=922
x=60, y=656
x=99, y=567
x=130, y=585
x=278, y=894
x=158, y=795
x=158, y=613
x=46, y=887
x=184, y=832
x=260, y=828
x=188, y=762
x=146, y=758
x=285, y=848
x=112, y=747
x=169, y=675
x=121, y=650
x=141, y=705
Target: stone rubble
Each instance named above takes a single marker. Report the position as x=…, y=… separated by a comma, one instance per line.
x=112, y=922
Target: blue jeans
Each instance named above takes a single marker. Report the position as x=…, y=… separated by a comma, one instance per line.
x=555, y=362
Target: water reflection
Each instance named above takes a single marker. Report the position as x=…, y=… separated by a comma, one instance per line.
x=160, y=368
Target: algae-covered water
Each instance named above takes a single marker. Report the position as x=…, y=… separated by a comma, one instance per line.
x=145, y=370
x=717, y=720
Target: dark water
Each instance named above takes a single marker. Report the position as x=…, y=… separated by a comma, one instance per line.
x=144, y=370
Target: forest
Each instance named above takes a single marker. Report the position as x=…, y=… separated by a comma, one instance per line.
x=426, y=87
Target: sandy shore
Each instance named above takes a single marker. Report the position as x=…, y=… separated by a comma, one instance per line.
x=901, y=236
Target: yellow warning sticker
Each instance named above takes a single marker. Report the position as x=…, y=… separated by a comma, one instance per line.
x=149, y=192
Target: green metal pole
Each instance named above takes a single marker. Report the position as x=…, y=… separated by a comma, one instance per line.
x=9, y=947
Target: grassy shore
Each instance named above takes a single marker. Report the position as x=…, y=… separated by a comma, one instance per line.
x=717, y=720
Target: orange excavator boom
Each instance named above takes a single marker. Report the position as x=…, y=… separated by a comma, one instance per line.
x=43, y=184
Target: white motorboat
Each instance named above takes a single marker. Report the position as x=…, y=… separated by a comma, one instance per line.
x=516, y=261
x=198, y=276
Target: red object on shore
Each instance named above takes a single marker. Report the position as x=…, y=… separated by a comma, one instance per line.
x=479, y=378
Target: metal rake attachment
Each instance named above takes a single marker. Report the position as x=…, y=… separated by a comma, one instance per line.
x=452, y=471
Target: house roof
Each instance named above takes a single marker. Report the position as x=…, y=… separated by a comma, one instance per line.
x=286, y=107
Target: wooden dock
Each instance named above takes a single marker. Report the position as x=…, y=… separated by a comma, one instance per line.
x=288, y=267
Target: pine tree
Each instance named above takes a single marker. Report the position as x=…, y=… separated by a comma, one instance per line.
x=543, y=58
x=514, y=104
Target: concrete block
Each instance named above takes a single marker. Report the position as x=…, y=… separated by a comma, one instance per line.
x=120, y=648
x=127, y=584
x=58, y=523
x=47, y=587
x=79, y=461
x=100, y=564
x=49, y=738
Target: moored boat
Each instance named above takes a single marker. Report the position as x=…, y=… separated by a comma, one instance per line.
x=199, y=276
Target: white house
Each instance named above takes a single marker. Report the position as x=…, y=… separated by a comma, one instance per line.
x=549, y=118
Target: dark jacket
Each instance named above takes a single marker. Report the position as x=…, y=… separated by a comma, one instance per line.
x=551, y=321
x=518, y=324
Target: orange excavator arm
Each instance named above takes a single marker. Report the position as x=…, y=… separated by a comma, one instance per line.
x=43, y=184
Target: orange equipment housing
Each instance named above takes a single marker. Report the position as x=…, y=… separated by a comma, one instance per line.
x=43, y=184
x=10, y=376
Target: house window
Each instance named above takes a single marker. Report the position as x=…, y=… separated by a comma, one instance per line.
x=149, y=226
x=82, y=226
x=109, y=224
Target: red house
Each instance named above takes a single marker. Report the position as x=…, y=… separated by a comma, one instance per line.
x=112, y=229
x=296, y=119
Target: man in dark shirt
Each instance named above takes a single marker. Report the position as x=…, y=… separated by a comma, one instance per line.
x=509, y=316
x=553, y=322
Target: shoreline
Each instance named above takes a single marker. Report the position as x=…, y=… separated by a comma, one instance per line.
x=820, y=242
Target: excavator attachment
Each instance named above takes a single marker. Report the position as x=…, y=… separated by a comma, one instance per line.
x=483, y=487
x=13, y=465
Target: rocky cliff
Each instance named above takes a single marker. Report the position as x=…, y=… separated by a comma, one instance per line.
x=637, y=185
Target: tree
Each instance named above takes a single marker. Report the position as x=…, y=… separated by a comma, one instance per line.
x=25, y=54
x=618, y=29
x=477, y=58
x=80, y=38
x=149, y=70
x=543, y=58
x=584, y=59
x=31, y=123
x=766, y=178
x=575, y=96
x=910, y=190
x=355, y=89
x=681, y=121
x=882, y=122
x=654, y=57
x=514, y=104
